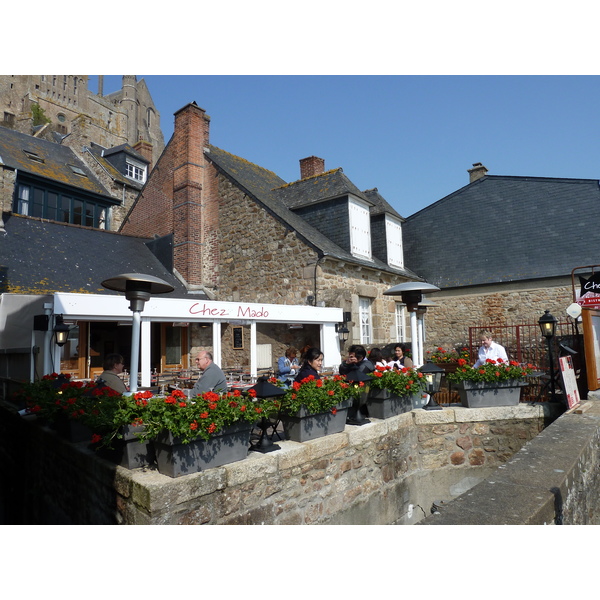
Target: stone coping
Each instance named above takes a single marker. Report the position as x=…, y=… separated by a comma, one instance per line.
x=549, y=481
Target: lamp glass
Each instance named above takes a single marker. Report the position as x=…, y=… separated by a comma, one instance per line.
x=547, y=324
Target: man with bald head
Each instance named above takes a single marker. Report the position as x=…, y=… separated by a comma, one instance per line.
x=212, y=378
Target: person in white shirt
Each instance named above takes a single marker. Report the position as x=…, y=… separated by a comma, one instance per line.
x=489, y=350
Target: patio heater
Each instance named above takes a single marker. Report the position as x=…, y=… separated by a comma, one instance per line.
x=433, y=375
x=547, y=325
x=411, y=293
x=137, y=288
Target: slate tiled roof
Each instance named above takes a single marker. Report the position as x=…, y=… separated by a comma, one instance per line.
x=502, y=228
x=54, y=165
x=380, y=205
x=278, y=197
x=43, y=257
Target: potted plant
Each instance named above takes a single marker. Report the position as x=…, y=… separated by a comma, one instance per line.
x=313, y=407
x=394, y=391
x=206, y=431
x=495, y=383
x=448, y=359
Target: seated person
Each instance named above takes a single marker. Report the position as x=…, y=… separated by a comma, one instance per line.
x=113, y=367
x=357, y=359
x=288, y=365
x=399, y=360
x=376, y=358
x=212, y=378
x=313, y=362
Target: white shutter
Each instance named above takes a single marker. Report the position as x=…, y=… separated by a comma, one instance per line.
x=393, y=234
x=360, y=229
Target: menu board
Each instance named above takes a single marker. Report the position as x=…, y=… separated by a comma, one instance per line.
x=238, y=338
x=591, y=342
x=569, y=381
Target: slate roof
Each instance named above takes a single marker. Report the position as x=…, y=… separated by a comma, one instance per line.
x=43, y=257
x=503, y=228
x=278, y=197
x=380, y=205
x=55, y=161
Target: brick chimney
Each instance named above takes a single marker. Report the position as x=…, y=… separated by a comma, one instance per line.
x=145, y=149
x=477, y=172
x=311, y=166
x=194, y=221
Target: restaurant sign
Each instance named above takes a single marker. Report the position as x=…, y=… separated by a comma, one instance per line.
x=589, y=292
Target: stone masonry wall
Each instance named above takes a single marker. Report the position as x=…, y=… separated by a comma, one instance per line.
x=448, y=323
x=389, y=471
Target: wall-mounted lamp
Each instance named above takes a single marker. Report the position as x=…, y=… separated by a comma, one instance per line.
x=342, y=331
x=61, y=331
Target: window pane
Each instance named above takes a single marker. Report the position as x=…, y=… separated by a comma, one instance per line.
x=66, y=209
x=23, y=208
x=38, y=203
x=173, y=343
x=89, y=214
x=365, y=320
x=52, y=205
x=77, y=212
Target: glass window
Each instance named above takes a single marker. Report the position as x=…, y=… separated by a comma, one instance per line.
x=77, y=212
x=400, y=322
x=136, y=171
x=38, y=203
x=65, y=215
x=173, y=345
x=364, y=308
x=23, y=207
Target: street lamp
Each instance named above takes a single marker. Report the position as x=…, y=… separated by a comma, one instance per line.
x=137, y=288
x=433, y=376
x=547, y=325
x=411, y=293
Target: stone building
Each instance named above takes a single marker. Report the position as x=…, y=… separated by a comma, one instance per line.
x=503, y=249
x=243, y=234
x=61, y=107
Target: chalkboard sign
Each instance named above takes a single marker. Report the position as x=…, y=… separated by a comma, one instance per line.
x=591, y=344
x=238, y=338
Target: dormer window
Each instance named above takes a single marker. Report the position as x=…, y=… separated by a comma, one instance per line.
x=135, y=170
x=33, y=156
x=360, y=228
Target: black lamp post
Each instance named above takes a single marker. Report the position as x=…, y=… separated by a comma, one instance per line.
x=547, y=325
x=356, y=376
x=265, y=389
x=61, y=331
x=433, y=375
x=138, y=288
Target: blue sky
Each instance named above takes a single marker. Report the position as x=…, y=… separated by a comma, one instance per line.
x=412, y=137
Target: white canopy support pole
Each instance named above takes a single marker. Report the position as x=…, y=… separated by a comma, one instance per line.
x=145, y=354
x=216, y=343
x=414, y=338
x=253, y=352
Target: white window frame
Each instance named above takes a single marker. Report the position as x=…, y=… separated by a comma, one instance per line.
x=366, y=320
x=135, y=170
x=393, y=236
x=400, y=322
x=360, y=228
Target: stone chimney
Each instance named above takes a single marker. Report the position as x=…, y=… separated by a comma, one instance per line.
x=311, y=166
x=477, y=172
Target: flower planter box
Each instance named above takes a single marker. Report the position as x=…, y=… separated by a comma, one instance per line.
x=71, y=430
x=130, y=452
x=383, y=404
x=304, y=426
x=483, y=394
x=175, y=459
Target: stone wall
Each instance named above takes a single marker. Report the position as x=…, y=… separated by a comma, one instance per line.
x=449, y=321
x=385, y=472
x=553, y=480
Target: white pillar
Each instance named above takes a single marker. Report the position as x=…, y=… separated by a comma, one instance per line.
x=414, y=338
x=253, y=352
x=146, y=347
x=421, y=328
x=216, y=343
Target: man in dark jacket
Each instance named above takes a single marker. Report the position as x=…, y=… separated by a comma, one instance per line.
x=357, y=359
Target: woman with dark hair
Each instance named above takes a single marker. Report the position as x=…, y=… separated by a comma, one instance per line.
x=398, y=359
x=313, y=362
x=376, y=357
